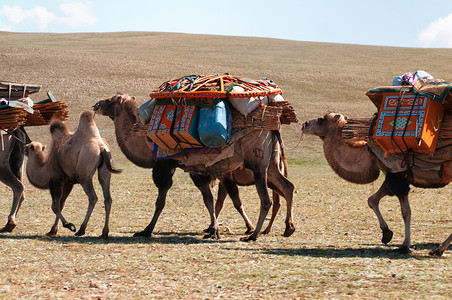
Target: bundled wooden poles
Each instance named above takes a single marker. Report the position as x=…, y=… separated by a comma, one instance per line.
x=357, y=129
x=44, y=112
x=11, y=117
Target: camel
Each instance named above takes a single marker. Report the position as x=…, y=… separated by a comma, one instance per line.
x=357, y=163
x=73, y=158
x=11, y=163
x=256, y=152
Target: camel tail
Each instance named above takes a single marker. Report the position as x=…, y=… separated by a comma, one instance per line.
x=107, y=160
x=280, y=141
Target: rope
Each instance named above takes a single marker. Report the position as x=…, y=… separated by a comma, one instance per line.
x=299, y=141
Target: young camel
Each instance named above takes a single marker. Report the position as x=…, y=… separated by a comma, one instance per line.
x=73, y=158
x=138, y=149
x=355, y=163
x=11, y=163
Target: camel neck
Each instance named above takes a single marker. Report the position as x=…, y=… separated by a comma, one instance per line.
x=37, y=170
x=133, y=146
x=353, y=164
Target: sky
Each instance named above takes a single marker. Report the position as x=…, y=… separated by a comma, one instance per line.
x=414, y=23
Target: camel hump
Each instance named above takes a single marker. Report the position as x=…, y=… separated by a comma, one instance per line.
x=59, y=132
x=57, y=125
x=87, y=116
x=86, y=126
x=106, y=155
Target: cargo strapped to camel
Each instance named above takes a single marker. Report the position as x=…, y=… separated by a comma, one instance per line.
x=17, y=109
x=208, y=111
x=410, y=117
x=412, y=129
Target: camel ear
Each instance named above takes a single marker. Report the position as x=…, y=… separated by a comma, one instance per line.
x=43, y=147
x=133, y=97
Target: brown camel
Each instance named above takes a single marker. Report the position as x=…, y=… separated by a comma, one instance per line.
x=355, y=163
x=11, y=163
x=73, y=158
x=256, y=153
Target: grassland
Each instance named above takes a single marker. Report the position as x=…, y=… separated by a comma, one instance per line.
x=336, y=251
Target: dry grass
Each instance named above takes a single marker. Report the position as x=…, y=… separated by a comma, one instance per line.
x=336, y=251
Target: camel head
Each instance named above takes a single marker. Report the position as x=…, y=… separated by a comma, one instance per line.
x=35, y=151
x=321, y=127
x=34, y=147
x=110, y=107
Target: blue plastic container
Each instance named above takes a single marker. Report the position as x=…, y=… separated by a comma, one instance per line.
x=214, y=125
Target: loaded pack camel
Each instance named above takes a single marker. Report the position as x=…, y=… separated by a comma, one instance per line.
x=258, y=153
x=11, y=163
x=73, y=158
x=358, y=164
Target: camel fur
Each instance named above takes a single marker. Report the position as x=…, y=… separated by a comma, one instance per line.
x=358, y=164
x=256, y=154
x=73, y=158
x=11, y=163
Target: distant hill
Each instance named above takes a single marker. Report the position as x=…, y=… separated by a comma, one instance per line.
x=315, y=77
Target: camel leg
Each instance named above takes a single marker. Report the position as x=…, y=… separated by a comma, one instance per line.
x=397, y=185
x=202, y=182
x=373, y=203
x=233, y=191
x=56, y=191
x=18, y=197
x=11, y=175
x=221, y=196
x=162, y=174
x=66, y=190
x=11, y=180
x=58, y=202
x=406, y=213
x=92, y=200
x=281, y=186
x=104, y=176
x=275, y=208
x=440, y=250
x=260, y=179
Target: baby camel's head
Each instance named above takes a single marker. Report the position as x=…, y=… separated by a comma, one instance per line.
x=34, y=148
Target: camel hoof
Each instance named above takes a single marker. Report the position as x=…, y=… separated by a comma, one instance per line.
x=403, y=250
x=51, y=233
x=212, y=235
x=436, y=252
x=250, y=231
x=70, y=226
x=289, y=231
x=387, y=236
x=8, y=228
x=248, y=238
x=142, y=234
x=266, y=231
x=207, y=230
x=80, y=232
x=104, y=236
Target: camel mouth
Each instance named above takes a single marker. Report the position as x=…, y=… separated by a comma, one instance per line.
x=96, y=107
